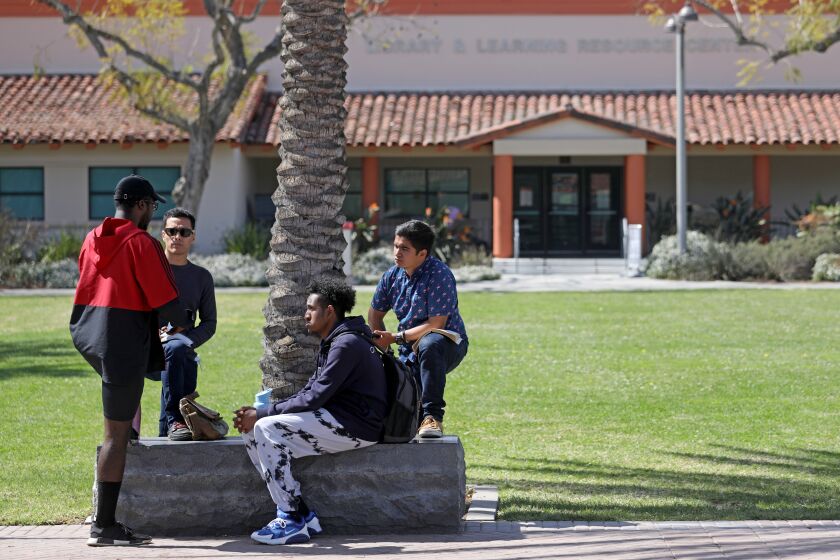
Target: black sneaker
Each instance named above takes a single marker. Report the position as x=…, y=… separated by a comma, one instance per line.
x=116, y=535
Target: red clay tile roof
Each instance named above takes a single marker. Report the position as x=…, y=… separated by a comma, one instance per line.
x=80, y=109
x=468, y=119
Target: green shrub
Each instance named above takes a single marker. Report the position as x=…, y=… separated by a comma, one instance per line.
x=251, y=239
x=473, y=255
x=827, y=268
x=475, y=273
x=66, y=245
x=18, y=240
x=233, y=269
x=704, y=259
x=738, y=221
x=58, y=274
x=661, y=218
x=820, y=218
x=369, y=267
x=749, y=261
x=793, y=258
x=453, y=236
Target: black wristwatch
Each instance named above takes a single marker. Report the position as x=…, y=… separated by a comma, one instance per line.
x=399, y=338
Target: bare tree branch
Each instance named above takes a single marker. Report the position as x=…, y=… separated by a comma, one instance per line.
x=257, y=9
x=129, y=83
x=96, y=35
x=775, y=54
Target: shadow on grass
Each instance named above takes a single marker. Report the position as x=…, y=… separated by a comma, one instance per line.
x=34, y=357
x=789, y=484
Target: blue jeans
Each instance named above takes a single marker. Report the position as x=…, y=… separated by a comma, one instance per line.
x=437, y=356
x=177, y=381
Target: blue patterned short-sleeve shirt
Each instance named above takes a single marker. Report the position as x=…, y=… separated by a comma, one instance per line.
x=429, y=292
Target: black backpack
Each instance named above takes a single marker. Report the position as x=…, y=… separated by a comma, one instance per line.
x=402, y=397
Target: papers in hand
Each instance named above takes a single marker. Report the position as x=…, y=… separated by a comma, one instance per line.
x=176, y=336
x=451, y=335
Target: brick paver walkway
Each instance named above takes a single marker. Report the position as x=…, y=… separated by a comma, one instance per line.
x=488, y=540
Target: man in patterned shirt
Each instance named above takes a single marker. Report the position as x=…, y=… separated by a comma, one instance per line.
x=420, y=289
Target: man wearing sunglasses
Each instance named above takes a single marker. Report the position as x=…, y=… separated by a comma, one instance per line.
x=195, y=285
x=125, y=286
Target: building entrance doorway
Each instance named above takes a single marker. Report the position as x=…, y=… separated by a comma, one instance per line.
x=567, y=211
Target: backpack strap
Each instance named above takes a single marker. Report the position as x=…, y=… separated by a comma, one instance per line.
x=369, y=340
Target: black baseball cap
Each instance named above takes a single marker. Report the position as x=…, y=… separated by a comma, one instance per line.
x=135, y=187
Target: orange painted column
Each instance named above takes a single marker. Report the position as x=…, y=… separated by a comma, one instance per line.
x=503, y=206
x=761, y=181
x=634, y=191
x=761, y=189
x=370, y=184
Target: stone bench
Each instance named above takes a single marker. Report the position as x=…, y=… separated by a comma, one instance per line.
x=211, y=488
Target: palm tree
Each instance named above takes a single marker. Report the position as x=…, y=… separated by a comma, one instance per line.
x=306, y=240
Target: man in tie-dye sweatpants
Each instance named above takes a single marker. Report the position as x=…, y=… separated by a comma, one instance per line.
x=342, y=407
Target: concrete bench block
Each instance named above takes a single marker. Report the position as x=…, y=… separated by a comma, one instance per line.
x=211, y=488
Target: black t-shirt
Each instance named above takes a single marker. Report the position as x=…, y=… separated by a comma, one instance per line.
x=198, y=296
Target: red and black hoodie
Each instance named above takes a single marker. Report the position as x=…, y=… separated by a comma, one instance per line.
x=125, y=284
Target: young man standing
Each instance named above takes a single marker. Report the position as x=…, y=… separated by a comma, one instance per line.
x=421, y=291
x=195, y=285
x=342, y=407
x=125, y=285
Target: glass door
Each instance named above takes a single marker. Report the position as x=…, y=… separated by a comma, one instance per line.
x=602, y=211
x=527, y=208
x=563, y=214
x=567, y=211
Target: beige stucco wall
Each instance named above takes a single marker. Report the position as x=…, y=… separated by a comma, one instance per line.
x=794, y=178
x=469, y=52
x=66, y=182
x=709, y=177
x=799, y=179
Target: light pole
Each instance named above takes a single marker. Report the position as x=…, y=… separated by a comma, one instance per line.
x=676, y=24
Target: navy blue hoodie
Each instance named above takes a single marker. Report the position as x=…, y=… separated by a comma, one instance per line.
x=349, y=381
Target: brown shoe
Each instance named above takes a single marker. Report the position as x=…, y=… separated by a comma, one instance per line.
x=430, y=428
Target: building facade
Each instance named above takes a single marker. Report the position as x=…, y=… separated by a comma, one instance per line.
x=556, y=115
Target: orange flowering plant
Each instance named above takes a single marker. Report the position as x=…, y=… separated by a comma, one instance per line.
x=452, y=235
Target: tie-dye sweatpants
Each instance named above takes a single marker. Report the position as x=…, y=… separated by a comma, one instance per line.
x=275, y=440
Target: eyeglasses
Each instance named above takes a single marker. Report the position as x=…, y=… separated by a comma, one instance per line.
x=153, y=203
x=173, y=231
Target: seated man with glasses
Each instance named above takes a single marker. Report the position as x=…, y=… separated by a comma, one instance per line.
x=195, y=286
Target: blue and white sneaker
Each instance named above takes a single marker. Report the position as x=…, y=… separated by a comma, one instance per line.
x=285, y=529
x=313, y=524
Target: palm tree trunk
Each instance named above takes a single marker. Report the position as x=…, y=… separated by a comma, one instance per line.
x=306, y=240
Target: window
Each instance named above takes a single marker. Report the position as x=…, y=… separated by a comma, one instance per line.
x=408, y=192
x=352, y=208
x=103, y=180
x=22, y=192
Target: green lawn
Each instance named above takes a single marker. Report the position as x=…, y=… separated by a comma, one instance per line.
x=684, y=405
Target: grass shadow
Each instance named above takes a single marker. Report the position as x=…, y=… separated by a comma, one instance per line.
x=770, y=485
x=40, y=358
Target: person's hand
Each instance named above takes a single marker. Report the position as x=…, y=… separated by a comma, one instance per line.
x=244, y=419
x=383, y=339
x=163, y=334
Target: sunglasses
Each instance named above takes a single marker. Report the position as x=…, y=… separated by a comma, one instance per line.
x=173, y=231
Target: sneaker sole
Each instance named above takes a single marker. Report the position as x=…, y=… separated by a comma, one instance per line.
x=314, y=527
x=297, y=538
x=184, y=437
x=98, y=541
x=429, y=434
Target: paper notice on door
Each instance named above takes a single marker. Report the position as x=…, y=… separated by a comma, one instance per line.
x=526, y=197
